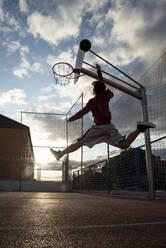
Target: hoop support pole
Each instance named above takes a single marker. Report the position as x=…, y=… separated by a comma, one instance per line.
x=137, y=94
x=149, y=163
x=116, y=68
x=119, y=79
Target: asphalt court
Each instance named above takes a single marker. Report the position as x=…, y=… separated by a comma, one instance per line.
x=80, y=220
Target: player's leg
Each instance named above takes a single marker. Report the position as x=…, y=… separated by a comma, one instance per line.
x=83, y=140
x=141, y=127
x=124, y=144
x=73, y=147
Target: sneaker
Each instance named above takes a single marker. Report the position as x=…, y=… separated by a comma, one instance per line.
x=57, y=154
x=142, y=126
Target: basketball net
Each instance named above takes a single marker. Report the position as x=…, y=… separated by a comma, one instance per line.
x=63, y=73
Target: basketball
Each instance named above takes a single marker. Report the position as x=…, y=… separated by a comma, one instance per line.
x=85, y=45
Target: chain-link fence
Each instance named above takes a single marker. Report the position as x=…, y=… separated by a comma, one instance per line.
x=154, y=80
x=126, y=171
x=102, y=168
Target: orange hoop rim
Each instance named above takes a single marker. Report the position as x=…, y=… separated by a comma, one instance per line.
x=67, y=69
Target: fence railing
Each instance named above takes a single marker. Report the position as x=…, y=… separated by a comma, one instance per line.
x=124, y=172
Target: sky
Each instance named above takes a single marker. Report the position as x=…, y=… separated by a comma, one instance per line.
x=36, y=34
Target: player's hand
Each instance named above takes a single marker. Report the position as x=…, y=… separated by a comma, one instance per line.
x=98, y=67
x=70, y=119
x=100, y=77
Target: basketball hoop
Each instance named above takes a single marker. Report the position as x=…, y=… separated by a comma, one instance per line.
x=63, y=73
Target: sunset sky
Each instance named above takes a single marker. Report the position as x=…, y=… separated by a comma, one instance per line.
x=36, y=34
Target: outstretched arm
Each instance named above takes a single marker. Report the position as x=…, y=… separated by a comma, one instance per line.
x=99, y=73
x=82, y=112
x=100, y=77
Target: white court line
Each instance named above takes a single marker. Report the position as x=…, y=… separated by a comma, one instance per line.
x=80, y=227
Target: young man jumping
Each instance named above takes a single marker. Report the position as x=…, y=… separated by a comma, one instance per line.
x=103, y=130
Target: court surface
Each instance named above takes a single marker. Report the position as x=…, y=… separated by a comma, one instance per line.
x=80, y=220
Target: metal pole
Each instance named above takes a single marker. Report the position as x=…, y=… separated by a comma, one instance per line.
x=149, y=163
x=73, y=105
x=116, y=68
x=111, y=75
x=41, y=113
x=67, y=132
x=135, y=94
x=108, y=152
x=67, y=140
x=21, y=116
x=107, y=171
x=81, y=133
x=81, y=179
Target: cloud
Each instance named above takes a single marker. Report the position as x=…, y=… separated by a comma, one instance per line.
x=51, y=126
x=9, y=24
x=13, y=96
x=1, y=10
x=48, y=88
x=25, y=66
x=13, y=46
x=52, y=107
x=13, y=23
x=131, y=31
x=56, y=23
x=96, y=9
x=64, y=56
x=20, y=72
x=37, y=67
x=60, y=108
x=23, y=6
x=54, y=29
x=22, y=69
x=44, y=98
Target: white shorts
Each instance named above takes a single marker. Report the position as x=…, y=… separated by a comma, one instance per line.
x=101, y=133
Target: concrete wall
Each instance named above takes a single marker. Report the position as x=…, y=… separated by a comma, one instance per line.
x=16, y=154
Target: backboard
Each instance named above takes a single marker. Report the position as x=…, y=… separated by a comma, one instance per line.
x=79, y=62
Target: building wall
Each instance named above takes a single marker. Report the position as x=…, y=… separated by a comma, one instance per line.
x=16, y=154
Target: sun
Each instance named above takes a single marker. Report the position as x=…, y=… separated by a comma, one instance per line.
x=43, y=155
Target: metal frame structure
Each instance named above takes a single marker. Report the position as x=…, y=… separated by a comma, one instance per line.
x=139, y=93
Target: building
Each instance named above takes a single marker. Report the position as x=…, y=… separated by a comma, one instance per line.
x=159, y=173
x=16, y=153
